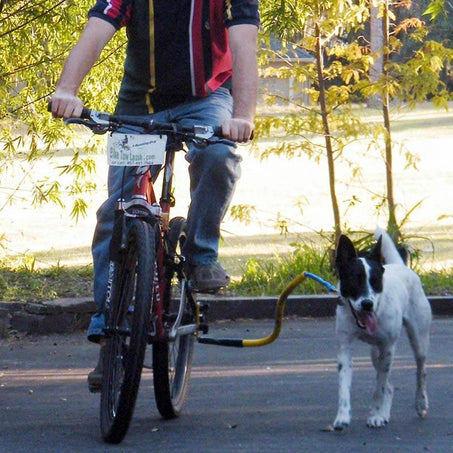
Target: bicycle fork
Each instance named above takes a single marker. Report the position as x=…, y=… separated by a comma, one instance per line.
x=137, y=208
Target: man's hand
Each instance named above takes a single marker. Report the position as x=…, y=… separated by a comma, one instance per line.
x=238, y=129
x=66, y=105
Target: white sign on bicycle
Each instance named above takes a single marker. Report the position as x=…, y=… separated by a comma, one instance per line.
x=135, y=150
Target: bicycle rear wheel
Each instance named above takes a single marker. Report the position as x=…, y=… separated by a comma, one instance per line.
x=127, y=329
x=172, y=359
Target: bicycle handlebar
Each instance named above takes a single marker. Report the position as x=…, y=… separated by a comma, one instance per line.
x=102, y=122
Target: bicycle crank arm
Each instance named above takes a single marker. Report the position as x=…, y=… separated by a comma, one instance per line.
x=188, y=329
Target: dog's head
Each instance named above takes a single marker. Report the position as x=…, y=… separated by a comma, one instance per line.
x=361, y=281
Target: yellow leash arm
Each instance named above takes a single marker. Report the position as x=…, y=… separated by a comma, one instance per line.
x=279, y=311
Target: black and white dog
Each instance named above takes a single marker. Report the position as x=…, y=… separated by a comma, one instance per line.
x=378, y=295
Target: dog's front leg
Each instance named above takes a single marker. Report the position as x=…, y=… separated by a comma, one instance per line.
x=382, y=400
x=343, y=417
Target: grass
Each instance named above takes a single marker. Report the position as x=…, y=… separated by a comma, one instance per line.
x=23, y=283
x=262, y=273
x=439, y=283
x=270, y=277
x=265, y=277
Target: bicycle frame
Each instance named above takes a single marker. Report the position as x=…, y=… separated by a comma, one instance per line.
x=144, y=203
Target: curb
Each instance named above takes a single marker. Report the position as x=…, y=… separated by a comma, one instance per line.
x=54, y=316
x=73, y=314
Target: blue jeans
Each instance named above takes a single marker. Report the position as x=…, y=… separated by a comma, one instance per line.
x=213, y=171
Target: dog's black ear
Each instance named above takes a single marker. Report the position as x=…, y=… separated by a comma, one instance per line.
x=376, y=254
x=345, y=251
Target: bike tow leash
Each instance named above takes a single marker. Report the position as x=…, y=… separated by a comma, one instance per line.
x=279, y=311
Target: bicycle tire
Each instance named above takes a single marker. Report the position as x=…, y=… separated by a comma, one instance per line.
x=128, y=324
x=172, y=360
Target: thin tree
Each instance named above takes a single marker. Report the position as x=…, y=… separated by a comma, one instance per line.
x=319, y=28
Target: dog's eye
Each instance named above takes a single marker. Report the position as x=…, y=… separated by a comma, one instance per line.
x=376, y=283
x=360, y=278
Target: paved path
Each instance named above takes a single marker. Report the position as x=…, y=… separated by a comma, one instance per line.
x=279, y=398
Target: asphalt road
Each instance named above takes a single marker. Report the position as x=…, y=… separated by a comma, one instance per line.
x=277, y=398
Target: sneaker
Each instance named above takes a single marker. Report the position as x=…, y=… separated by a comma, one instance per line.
x=208, y=278
x=95, y=377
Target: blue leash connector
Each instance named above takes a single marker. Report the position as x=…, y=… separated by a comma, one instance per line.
x=317, y=278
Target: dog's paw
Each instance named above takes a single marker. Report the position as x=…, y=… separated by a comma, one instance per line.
x=421, y=405
x=341, y=423
x=376, y=421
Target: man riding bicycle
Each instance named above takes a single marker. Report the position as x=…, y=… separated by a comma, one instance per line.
x=187, y=61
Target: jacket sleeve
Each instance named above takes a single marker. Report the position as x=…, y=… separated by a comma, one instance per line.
x=116, y=12
x=241, y=12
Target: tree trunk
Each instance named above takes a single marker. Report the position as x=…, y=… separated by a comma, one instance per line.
x=392, y=226
x=326, y=130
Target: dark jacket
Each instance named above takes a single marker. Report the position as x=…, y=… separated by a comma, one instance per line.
x=177, y=49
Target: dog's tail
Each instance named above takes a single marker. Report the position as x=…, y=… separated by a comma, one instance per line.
x=389, y=251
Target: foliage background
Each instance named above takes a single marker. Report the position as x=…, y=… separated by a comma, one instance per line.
x=36, y=38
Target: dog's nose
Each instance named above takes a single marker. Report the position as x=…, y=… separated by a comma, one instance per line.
x=367, y=305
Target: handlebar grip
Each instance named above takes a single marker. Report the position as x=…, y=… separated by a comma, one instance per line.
x=218, y=131
x=86, y=114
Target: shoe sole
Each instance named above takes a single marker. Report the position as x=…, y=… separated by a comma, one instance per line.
x=207, y=289
x=94, y=388
x=95, y=385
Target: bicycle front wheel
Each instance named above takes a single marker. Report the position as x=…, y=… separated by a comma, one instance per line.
x=127, y=329
x=172, y=359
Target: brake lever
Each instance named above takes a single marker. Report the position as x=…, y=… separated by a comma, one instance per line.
x=225, y=141
x=203, y=132
x=97, y=128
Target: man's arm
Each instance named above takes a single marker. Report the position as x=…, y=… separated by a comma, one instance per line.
x=243, y=46
x=96, y=35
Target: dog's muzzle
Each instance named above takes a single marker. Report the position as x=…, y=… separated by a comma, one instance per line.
x=365, y=317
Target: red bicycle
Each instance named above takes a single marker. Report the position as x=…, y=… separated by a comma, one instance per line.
x=149, y=299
